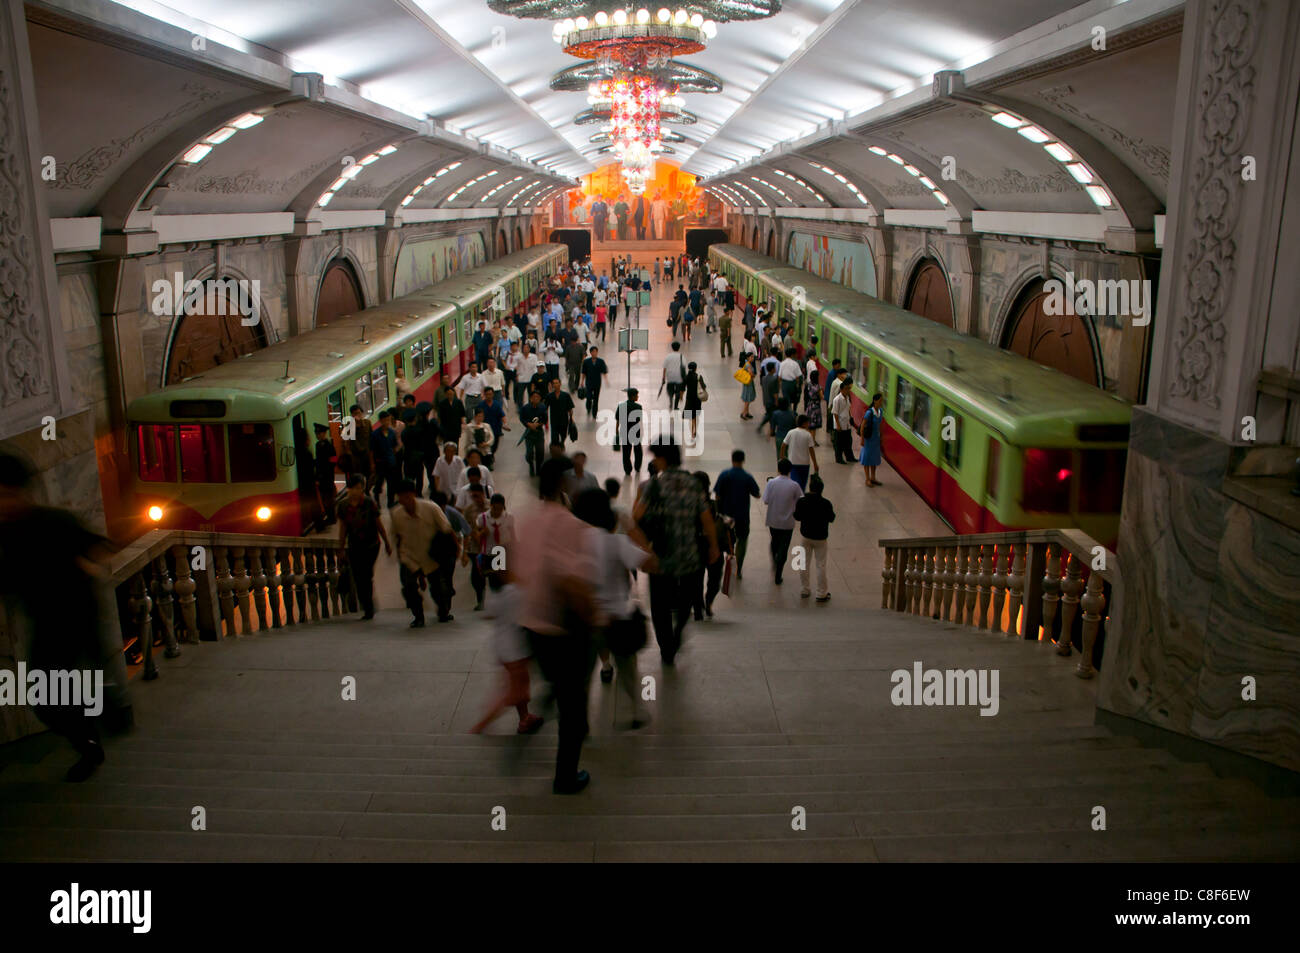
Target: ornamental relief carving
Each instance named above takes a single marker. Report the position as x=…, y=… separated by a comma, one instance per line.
x=1223, y=100
x=25, y=373
x=1155, y=159
x=82, y=172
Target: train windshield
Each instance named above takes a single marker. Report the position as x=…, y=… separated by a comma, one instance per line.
x=252, y=453
x=1049, y=475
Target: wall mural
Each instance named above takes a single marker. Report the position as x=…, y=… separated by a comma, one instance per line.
x=835, y=259
x=425, y=261
x=671, y=204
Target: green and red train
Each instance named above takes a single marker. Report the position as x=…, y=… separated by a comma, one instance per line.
x=217, y=451
x=1030, y=447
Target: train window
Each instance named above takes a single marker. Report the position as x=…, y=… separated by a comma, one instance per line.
x=1048, y=477
x=1101, y=488
x=398, y=366
x=862, y=373
x=334, y=402
x=417, y=359
x=903, y=401
x=882, y=381
x=920, y=422
x=157, y=452
x=363, y=394
x=852, y=357
x=252, y=453
x=198, y=408
x=469, y=330
x=993, y=469
x=430, y=355
x=203, y=453
x=379, y=386
x=951, y=447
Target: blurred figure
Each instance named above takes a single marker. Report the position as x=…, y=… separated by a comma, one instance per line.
x=712, y=580
x=511, y=648
x=557, y=612
x=360, y=531
x=325, y=459
x=50, y=565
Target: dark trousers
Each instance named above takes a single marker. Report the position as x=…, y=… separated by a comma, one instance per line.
x=593, y=397
x=328, y=493
x=573, y=379
x=565, y=661
x=72, y=722
x=362, y=561
x=710, y=585
x=534, y=453
x=384, y=476
x=741, y=532
x=411, y=592
x=844, y=446
x=675, y=392
x=790, y=391
x=630, y=450
x=671, y=601
x=780, y=548
x=769, y=409
x=477, y=579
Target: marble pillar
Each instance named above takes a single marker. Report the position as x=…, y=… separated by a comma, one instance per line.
x=1207, y=642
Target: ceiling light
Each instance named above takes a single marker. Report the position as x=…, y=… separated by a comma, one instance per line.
x=1098, y=195
x=602, y=18
x=911, y=170
x=941, y=197
x=894, y=158
x=338, y=183
x=620, y=18
x=697, y=20
x=1058, y=152
x=1079, y=171
x=664, y=15
x=247, y=121
x=373, y=157
x=325, y=199
x=680, y=17
x=582, y=23
x=221, y=135
x=351, y=172
x=1008, y=120
x=877, y=150
x=196, y=153
x=927, y=182
x=387, y=150
x=1033, y=134
x=643, y=16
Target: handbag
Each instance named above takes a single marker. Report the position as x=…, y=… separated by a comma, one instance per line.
x=743, y=376
x=582, y=393
x=728, y=564
x=627, y=636
x=702, y=391
x=573, y=430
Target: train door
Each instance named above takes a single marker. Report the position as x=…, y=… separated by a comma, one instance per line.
x=953, y=501
x=442, y=348
x=304, y=474
x=992, y=484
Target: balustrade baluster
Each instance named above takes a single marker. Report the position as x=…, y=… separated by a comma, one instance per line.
x=972, y=583
x=950, y=583
x=323, y=580
x=918, y=574
x=272, y=585
x=225, y=590
x=1093, y=604
x=906, y=556
x=243, y=582
x=959, y=584
x=141, y=608
x=1016, y=587
x=184, y=588
x=999, y=586
x=313, y=583
x=162, y=598
x=1071, y=587
x=927, y=579
x=332, y=557
x=299, y=582
x=887, y=578
x=259, y=586
x=985, y=582
x=940, y=580
x=1051, y=587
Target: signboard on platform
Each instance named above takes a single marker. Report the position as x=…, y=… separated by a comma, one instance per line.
x=640, y=339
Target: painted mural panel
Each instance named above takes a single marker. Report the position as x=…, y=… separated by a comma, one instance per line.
x=428, y=260
x=835, y=259
x=671, y=204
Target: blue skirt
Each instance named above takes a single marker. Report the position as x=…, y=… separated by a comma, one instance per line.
x=747, y=392
x=870, y=454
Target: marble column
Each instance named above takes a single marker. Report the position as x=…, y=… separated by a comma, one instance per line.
x=1203, y=639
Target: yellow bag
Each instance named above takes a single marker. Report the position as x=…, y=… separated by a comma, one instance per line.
x=743, y=376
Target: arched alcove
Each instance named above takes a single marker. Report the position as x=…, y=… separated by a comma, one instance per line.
x=928, y=294
x=1063, y=341
x=211, y=330
x=340, y=292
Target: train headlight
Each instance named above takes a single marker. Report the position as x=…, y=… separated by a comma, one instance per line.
x=263, y=513
x=155, y=513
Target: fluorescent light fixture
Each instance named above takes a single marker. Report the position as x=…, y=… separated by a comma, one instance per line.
x=221, y=135
x=387, y=150
x=1079, y=171
x=925, y=180
x=1008, y=120
x=351, y=172
x=428, y=180
x=339, y=183
x=408, y=200
x=196, y=153
x=373, y=157
x=877, y=150
x=1098, y=195
x=897, y=159
x=1033, y=134
x=911, y=170
x=941, y=197
x=1059, y=152
x=325, y=199
x=247, y=121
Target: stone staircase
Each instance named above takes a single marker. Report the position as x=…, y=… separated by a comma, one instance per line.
x=767, y=711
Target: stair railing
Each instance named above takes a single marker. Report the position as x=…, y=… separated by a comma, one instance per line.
x=191, y=586
x=1052, y=584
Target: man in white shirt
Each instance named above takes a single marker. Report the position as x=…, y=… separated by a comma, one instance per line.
x=492, y=377
x=474, y=477
x=842, y=421
x=719, y=284
x=674, y=375
x=415, y=523
x=470, y=389
x=791, y=374
x=780, y=496
x=798, y=449
x=551, y=355
x=449, y=471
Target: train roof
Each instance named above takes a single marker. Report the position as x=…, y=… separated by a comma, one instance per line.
x=1045, y=403
x=255, y=387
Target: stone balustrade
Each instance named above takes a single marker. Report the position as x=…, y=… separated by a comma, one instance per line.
x=189, y=586
x=1034, y=584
